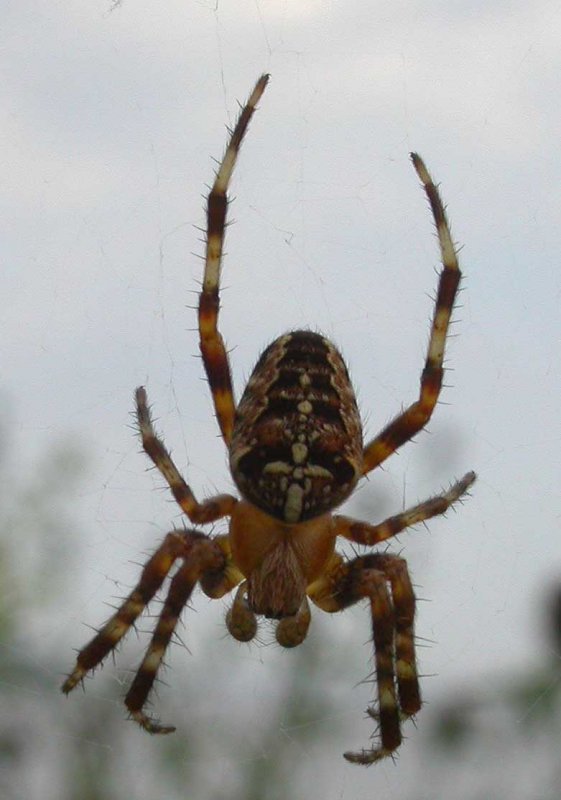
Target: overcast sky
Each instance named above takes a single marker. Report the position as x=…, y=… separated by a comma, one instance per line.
x=110, y=120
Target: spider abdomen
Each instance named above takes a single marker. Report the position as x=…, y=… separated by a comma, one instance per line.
x=296, y=449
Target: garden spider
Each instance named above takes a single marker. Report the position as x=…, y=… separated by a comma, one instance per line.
x=296, y=453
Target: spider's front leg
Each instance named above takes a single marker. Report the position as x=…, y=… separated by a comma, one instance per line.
x=204, y=559
x=177, y=544
x=392, y=633
x=393, y=614
x=205, y=562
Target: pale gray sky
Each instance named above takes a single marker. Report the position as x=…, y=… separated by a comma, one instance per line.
x=110, y=119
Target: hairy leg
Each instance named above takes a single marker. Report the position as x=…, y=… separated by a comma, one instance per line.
x=177, y=544
x=204, y=556
x=415, y=417
x=209, y=510
x=367, y=534
x=213, y=349
x=392, y=613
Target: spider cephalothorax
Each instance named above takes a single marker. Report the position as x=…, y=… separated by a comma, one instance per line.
x=296, y=453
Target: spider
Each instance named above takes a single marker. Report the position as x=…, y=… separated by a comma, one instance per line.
x=296, y=452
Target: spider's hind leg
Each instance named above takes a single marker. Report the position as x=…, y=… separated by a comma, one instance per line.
x=414, y=418
x=213, y=349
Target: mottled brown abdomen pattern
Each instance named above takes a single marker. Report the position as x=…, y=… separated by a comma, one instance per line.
x=296, y=449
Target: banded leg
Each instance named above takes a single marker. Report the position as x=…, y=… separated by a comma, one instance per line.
x=366, y=534
x=177, y=544
x=213, y=350
x=209, y=510
x=392, y=632
x=403, y=598
x=416, y=416
x=203, y=556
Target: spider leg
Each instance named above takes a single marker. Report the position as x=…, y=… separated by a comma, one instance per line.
x=403, y=597
x=213, y=350
x=392, y=632
x=415, y=417
x=209, y=510
x=176, y=544
x=202, y=556
x=366, y=534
